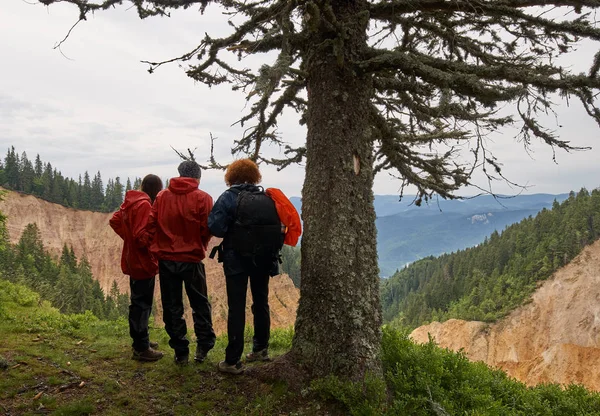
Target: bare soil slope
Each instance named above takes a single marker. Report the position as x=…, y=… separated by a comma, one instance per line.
x=553, y=338
x=90, y=235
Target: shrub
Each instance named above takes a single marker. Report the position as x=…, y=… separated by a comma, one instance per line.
x=17, y=294
x=427, y=380
x=281, y=338
x=51, y=320
x=360, y=399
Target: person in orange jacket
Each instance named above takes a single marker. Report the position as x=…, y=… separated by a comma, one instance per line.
x=178, y=230
x=137, y=262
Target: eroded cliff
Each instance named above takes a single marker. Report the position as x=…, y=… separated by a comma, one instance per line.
x=553, y=338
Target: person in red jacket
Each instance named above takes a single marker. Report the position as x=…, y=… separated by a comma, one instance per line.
x=178, y=230
x=137, y=262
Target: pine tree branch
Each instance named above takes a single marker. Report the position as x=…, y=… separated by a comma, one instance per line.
x=296, y=156
x=470, y=78
x=144, y=8
x=428, y=172
x=387, y=10
x=213, y=164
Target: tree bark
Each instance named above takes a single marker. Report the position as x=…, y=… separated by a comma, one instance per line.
x=338, y=325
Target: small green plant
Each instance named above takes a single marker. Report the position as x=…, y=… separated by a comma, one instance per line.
x=79, y=408
x=4, y=364
x=281, y=338
x=360, y=399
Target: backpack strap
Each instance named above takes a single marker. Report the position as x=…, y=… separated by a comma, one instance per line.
x=218, y=250
x=238, y=191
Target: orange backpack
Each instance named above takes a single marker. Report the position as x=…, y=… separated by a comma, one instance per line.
x=287, y=215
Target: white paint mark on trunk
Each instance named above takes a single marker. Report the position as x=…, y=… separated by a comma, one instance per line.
x=356, y=163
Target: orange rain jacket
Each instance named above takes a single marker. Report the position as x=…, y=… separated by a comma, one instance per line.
x=287, y=215
x=129, y=222
x=178, y=223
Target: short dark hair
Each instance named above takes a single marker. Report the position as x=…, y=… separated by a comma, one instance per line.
x=189, y=169
x=152, y=185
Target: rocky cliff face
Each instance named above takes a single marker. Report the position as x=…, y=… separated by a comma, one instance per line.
x=553, y=338
x=90, y=235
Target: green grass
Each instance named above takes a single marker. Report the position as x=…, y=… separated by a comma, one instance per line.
x=78, y=365
x=46, y=352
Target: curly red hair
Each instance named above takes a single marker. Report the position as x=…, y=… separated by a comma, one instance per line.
x=242, y=171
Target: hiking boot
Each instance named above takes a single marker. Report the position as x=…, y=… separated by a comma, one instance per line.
x=148, y=355
x=236, y=368
x=153, y=345
x=182, y=359
x=262, y=355
x=200, y=355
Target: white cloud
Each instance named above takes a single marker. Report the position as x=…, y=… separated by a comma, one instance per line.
x=102, y=111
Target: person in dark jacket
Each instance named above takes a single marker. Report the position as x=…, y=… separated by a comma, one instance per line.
x=179, y=233
x=242, y=175
x=137, y=262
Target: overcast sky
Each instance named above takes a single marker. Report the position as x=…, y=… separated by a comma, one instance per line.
x=100, y=110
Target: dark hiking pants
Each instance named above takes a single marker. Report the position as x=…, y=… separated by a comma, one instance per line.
x=173, y=275
x=142, y=293
x=237, y=285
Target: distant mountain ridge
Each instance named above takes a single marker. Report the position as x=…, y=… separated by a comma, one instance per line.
x=406, y=233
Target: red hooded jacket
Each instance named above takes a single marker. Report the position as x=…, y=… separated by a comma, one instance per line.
x=178, y=223
x=129, y=222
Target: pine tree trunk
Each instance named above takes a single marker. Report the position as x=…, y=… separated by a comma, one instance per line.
x=339, y=317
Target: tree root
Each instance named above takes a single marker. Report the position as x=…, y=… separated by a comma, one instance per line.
x=284, y=368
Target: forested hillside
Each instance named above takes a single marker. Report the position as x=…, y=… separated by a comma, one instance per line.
x=44, y=181
x=290, y=263
x=488, y=281
x=404, y=238
x=67, y=283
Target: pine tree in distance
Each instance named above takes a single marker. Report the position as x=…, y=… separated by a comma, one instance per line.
x=408, y=86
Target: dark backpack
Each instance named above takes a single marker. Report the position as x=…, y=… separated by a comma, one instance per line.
x=257, y=230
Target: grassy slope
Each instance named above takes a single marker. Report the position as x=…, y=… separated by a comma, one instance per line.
x=76, y=364
x=45, y=357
